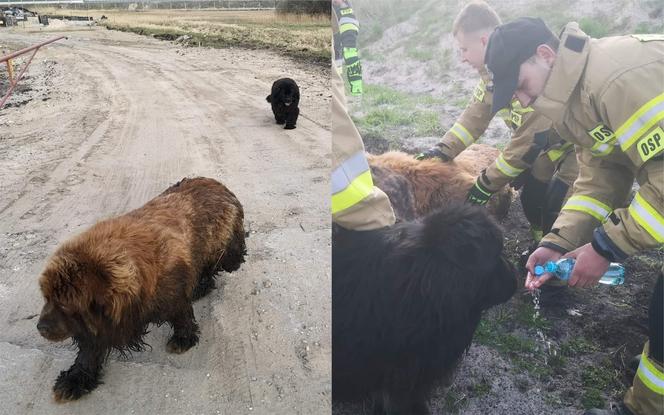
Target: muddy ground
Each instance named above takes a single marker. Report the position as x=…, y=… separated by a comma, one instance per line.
x=105, y=121
x=573, y=355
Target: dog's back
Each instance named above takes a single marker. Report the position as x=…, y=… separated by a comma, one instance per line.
x=184, y=231
x=436, y=184
x=205, y=214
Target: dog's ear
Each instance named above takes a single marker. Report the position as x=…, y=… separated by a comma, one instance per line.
x=269, y=98
x=91, y=286
x=121, y=288
x=63, y=281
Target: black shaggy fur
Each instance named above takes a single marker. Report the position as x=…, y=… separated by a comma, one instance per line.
x=406, y=301
x=285, y=98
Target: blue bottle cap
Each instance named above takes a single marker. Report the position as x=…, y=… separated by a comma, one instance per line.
x=539, y=270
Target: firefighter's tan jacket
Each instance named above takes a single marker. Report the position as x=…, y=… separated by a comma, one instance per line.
x=532, y=136
x=356, y=203
x=607, y=97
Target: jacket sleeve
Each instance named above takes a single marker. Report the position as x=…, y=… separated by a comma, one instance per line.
x=356, y=203
x=638, y=123
x=641, y=225
x=526, y=143
x=471, y=124
x=602, y=185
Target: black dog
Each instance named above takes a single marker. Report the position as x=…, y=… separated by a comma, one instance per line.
x=285, y=98
x=406, y=301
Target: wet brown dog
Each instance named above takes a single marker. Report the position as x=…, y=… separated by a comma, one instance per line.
x=417, y=187
x=105, y=286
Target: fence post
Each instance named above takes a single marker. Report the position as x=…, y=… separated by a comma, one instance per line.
x=10, y=70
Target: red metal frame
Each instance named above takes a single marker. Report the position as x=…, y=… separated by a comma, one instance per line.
x=8, y=58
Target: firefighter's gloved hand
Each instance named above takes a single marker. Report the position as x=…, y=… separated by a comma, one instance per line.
x=433, y=153
x=478, y=194
x=356, y=87
x=354, y=75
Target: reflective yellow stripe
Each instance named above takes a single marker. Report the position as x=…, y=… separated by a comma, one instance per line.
x=646, y=216
x=350, y=53
x=462, y=134
x=601, y=149
x=588, y=205
x=358, y=189
x=650, y=376
x=506, y=168
x=640, y=122
x=557, y=153
x=349, y=20
x=348, y=27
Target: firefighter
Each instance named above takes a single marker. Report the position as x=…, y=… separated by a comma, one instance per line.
x=536, y=159
x=607, y=97
x=356, y=203
x=345, y=44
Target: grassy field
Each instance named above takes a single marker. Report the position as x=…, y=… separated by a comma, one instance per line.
x=300, y=36
x=398, y=36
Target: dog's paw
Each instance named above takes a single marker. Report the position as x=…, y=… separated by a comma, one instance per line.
x=281, y=122
x=72, y=384
x=289, y=127
x=179, y=345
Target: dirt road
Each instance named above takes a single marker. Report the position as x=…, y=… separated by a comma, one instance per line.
x=105, y=122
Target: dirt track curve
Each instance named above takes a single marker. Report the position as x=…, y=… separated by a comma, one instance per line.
x=116, y=118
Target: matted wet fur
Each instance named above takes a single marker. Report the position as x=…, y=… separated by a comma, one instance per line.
x=406, y=301
x=431, y=184
x=285, y=99
x=104, y=286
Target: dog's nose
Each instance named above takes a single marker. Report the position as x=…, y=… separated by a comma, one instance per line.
x=42, y=327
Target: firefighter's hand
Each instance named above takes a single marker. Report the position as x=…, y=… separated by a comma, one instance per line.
x=539, y=257
x=433, y=153
x=589, y=266
x=355, y=87
x=478, y=194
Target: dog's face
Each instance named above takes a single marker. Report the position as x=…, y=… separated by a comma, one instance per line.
x=55, y=323
x=74, y=297
x=501, y=283
x=288, y=95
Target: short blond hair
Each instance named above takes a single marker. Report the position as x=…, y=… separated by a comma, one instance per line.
x=477, y=15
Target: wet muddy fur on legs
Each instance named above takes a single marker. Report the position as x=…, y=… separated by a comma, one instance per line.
x=104, y=286
x=406, y=301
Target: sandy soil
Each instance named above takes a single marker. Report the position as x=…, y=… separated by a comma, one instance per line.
x=106, y=121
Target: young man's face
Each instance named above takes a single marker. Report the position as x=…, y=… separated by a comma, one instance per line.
x=472, y=47
x=533, y=76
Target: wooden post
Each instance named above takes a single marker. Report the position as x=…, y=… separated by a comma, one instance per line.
x=10, y=70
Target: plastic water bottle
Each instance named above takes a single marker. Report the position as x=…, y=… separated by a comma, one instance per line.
x=562, y=269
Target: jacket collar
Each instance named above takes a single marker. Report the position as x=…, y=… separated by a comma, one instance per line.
x=566, y=73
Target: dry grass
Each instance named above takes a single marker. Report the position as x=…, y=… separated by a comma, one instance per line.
x=300, y=36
